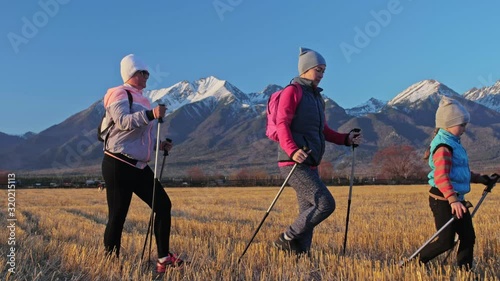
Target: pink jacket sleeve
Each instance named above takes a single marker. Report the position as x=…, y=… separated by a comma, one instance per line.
x=289, y=99
x=333, y=136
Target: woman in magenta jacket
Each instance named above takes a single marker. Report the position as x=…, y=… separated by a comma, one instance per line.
x=300, y=122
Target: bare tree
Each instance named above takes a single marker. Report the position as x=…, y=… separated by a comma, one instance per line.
x=242, y=174
x=399, y=163
x=325, y=170
x=196, y=173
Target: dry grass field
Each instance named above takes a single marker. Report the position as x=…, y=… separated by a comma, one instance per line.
x=59, y=235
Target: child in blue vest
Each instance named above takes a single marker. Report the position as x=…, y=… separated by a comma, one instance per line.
x=450, y=179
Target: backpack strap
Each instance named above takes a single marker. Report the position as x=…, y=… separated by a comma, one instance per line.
x=130, y=102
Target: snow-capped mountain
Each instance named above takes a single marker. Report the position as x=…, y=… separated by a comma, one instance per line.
x=263, y=96
x=220, y=129
x=487, y=96
x=373, y=105
x=184, y=92
x=421, y=91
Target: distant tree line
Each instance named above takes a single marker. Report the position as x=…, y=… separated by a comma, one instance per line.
x=390, y=165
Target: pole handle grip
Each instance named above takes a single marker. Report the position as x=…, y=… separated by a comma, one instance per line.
x=160, y=103
x=165, y=152
x=355, y=130
x=493, y=180
x=468, y=204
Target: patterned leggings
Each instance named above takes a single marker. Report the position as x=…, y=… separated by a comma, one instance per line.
x=316, y=203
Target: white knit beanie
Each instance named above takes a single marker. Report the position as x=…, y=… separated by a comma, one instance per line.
x=451, y=113
x=309, y=59
x=129, y=65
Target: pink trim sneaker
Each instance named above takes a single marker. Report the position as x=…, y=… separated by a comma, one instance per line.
x=172, y=261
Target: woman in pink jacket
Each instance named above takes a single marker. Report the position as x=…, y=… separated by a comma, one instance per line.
x=300, y=123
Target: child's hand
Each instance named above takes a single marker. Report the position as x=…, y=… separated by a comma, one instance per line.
x=458, y=209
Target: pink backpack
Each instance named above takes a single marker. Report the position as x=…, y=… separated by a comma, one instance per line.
x=272, y=108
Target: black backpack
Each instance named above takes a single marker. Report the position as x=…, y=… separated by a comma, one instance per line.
x=102, y=134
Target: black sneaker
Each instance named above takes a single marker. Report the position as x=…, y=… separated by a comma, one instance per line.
x=289, y=246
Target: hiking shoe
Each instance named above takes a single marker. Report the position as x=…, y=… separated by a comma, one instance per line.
x=172, y=261
x=289, y=246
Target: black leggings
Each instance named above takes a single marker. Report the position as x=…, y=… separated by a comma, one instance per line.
x=463, y=227
x=121, y=181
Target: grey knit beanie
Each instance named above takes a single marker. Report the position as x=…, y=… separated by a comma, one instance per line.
x=309, y=59
x=451, y=113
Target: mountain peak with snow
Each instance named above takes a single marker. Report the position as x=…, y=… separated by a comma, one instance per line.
x=421, y=91
x=270, y=89
x=213, y=90
x=186, y=92
x=488, y=96
x=208, y=85
x=373, y=105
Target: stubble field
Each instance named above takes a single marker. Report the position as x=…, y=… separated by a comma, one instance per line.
x=59, y=236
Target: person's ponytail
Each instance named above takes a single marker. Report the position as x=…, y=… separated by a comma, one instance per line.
x=428, y=151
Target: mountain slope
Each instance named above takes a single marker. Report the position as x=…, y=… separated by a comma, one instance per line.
x=371, y=106
x=487, y=96
x=220, y=129
x=421, y=92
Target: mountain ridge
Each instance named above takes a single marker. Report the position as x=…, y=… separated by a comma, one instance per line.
x=216, y=126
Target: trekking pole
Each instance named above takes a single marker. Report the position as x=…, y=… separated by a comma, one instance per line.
x=453, y=218
x=149, y=233
x=165, y=154
x=270, y=207
x=356, y=130
x=489, y=186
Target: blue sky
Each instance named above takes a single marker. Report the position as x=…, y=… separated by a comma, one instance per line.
x=60, y=56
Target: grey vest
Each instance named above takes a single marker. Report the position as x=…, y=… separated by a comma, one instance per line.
x=308, y=124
